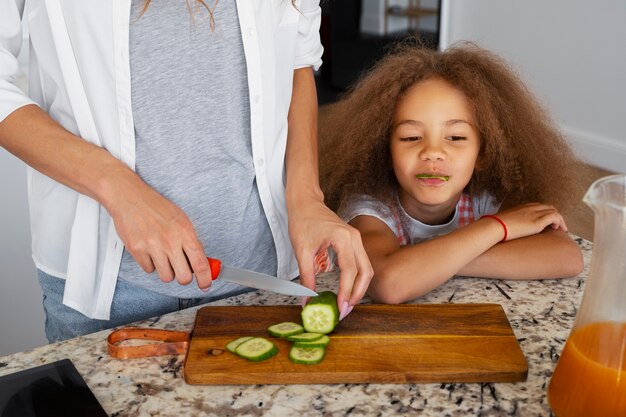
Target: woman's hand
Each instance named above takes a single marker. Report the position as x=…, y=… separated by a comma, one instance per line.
x=156, y=232
x=313, y=228
x=530, y=219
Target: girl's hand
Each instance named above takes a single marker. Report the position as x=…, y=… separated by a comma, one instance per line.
x=314, y=228
x=530, y=219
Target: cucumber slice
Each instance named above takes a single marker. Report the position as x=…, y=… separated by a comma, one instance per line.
x=307, y=355
x=321, y=314
x=256, y=349
x=321, y=342
x=305, y=337
x=441, y=177
x=285, y=329
x=232, y=345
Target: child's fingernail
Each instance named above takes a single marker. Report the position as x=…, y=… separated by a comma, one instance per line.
x=303, y=301
x=345, y=310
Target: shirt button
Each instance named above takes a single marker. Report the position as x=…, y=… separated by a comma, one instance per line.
x=257, y=98
x=273, y=219
x=260, y=162
x=250, y=32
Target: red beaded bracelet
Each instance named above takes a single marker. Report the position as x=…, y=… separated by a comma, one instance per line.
x=499, y=220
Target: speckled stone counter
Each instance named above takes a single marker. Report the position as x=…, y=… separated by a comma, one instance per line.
x=541, y=314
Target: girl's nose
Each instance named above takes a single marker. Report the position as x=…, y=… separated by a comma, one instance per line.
x=432, y=152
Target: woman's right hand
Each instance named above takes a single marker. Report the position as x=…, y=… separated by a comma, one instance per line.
x=156, y=232
x=531, y=219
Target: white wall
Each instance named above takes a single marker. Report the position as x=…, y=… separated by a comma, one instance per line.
x=572, y=55
x=21, y=311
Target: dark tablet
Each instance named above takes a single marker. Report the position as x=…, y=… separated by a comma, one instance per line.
x=52, y=390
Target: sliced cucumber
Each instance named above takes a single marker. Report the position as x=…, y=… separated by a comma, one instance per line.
x=256, y=349
x=306, y=355
x=321, y=314
x=321, y=342
x=305, y=337
x=285, y=329
x=440, y=177
x=232, y=345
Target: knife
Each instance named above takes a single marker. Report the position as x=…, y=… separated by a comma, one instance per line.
x=257, y=280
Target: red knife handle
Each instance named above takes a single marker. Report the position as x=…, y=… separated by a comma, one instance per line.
x=216, y=267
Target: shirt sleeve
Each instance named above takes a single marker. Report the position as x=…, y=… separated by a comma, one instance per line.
x=483, y=204
x=367, y=206
x=11, y=97
x=309, y=46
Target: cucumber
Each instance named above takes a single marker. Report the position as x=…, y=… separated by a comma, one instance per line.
x=305, y=337
x=256, y=349
x=232, y=345
x=441, y=177
x=306, y=355
x=321, y=342
x=285, y=329
x=321, y=314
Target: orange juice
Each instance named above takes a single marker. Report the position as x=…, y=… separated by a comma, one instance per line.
x=590, y=378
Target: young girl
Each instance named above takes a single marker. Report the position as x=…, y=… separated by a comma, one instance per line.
x=439, y=159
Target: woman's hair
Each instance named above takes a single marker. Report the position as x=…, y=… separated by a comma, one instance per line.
x=522, y=157
x=191, y=8
x=198, y=4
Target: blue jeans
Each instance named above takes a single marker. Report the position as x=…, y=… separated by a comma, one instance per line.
x=130, y=303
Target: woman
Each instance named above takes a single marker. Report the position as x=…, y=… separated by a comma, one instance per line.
x=159, y=132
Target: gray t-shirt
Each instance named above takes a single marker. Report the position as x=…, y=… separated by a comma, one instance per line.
x=410, y=230
x=191, y=112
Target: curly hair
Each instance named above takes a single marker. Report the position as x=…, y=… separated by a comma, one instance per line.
x=523, y=157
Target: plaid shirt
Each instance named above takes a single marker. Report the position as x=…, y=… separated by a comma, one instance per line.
x=466, y=216
x=324, y=262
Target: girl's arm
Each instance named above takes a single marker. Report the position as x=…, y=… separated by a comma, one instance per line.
x=550, y=254
x=404, y=273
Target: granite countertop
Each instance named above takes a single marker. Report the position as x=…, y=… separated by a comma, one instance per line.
x=541, y=314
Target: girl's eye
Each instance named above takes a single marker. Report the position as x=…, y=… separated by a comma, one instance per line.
x=456, y=138
x=410, y=139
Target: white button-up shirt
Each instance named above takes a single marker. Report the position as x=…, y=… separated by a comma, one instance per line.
x=79, y=73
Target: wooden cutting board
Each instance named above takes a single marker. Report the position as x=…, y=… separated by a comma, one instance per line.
x=374, y=344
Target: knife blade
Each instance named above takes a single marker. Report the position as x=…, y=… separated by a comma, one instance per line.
x=257, y=280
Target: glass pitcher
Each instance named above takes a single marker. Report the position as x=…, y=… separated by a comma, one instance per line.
x=590, y=377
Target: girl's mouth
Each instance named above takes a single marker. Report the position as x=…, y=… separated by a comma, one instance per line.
x=432, y=177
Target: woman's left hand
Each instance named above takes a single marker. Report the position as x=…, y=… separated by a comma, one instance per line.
x=314, y=228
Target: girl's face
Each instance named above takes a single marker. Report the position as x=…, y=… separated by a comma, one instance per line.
x=434, y=145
